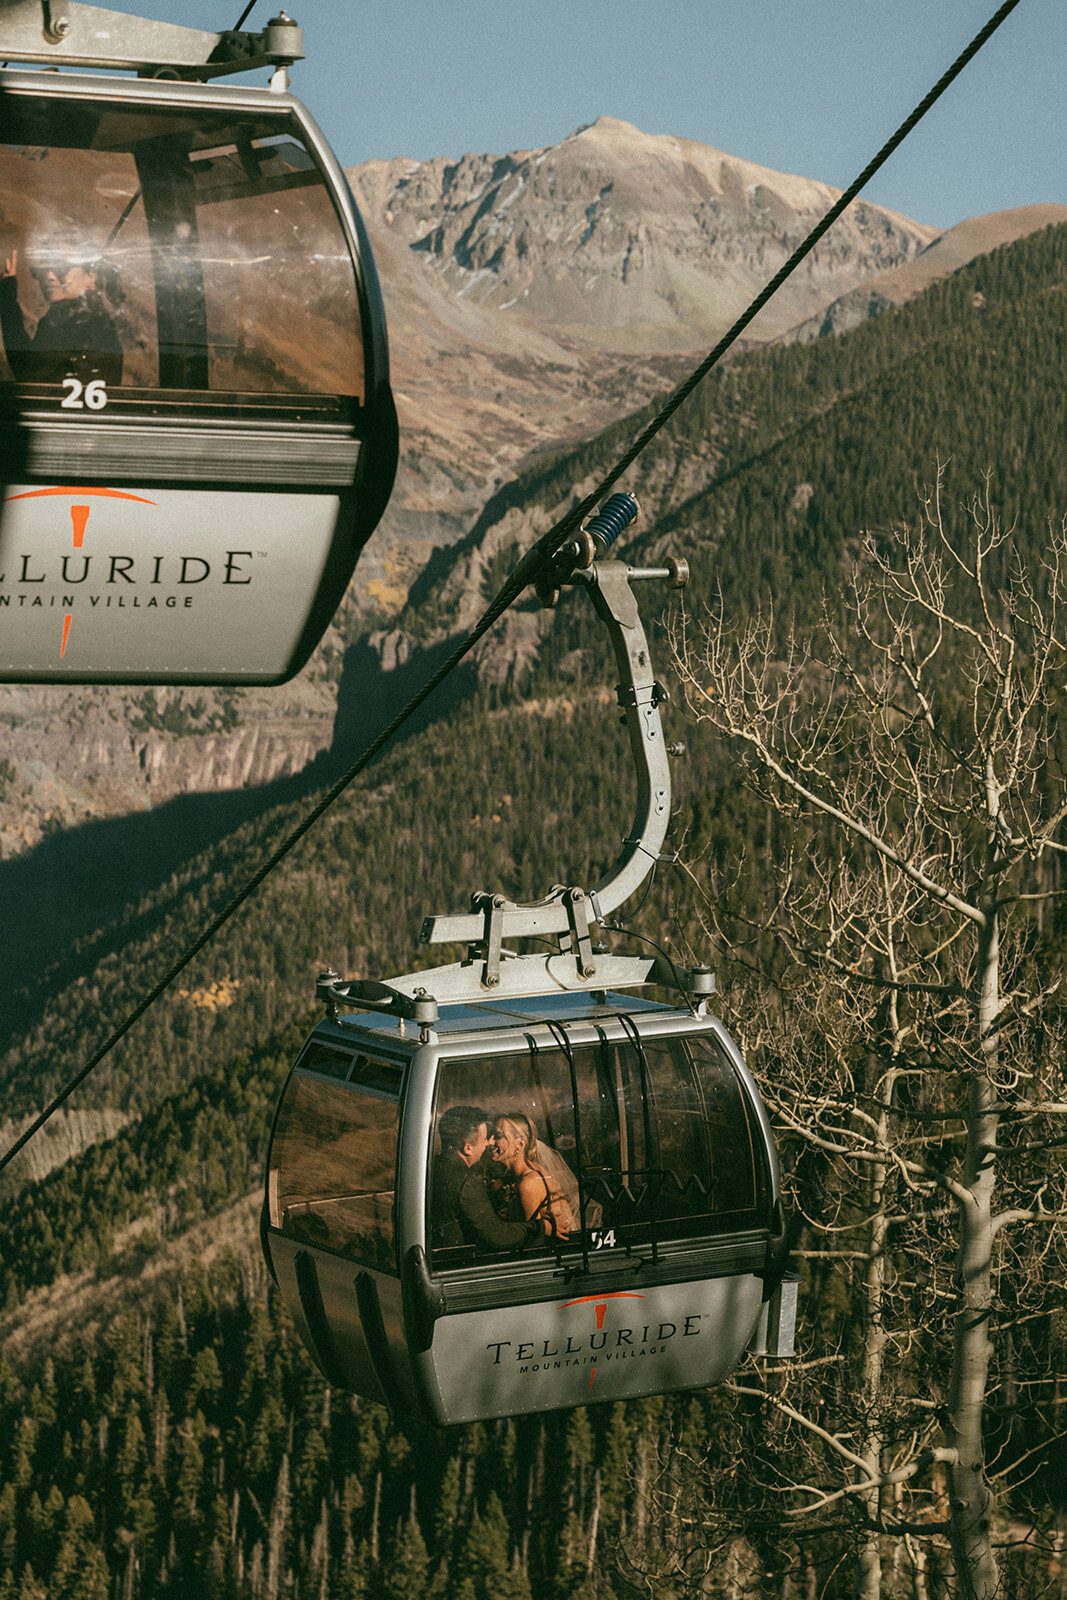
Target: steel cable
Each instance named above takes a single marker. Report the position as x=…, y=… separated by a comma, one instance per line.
x=532, y=563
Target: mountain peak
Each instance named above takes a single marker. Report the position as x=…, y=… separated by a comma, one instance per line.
x=607, y=125
x=628, y=241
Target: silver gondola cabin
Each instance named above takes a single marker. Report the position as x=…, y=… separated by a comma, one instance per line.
x=192, y=330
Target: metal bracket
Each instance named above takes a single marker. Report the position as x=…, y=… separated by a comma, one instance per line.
x=366, y=994
x=578, y=940
x=56, y=25
x=417, y=996
x=629, y=695
x=490, y=907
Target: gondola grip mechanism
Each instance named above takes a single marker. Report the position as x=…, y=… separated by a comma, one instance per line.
x=77, y=35
x=593, y=539
x=366, y=994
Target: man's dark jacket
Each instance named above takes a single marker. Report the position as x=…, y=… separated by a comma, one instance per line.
x=463, y=1213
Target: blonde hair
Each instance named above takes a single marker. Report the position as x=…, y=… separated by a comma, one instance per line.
x=522, y=1128
x=548, y=1164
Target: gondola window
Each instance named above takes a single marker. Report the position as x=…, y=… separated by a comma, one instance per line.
x=333, y=1161
x=657, y=1145
x=151, y=249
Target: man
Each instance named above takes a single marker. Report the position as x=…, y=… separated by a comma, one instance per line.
x=462, y=1212
x=77, y=334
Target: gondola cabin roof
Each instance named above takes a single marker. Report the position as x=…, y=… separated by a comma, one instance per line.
x=475, y=1018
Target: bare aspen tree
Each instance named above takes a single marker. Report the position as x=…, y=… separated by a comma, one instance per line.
x=908, y=751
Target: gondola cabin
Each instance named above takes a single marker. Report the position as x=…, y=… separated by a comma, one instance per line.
x=192, y=328
x=394, y=1222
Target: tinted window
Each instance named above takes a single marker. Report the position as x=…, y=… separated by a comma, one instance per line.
x=477, y=1210
x=657, y=1144
x=705, y=1160
x=384, y=1076
x=172, y=250
x=324, y=1058
x=333, y=1167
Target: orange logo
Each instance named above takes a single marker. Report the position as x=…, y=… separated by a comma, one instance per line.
x=600, y=1301
x=79, y=516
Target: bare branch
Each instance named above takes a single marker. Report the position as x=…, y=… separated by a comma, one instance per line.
x=885, y=1481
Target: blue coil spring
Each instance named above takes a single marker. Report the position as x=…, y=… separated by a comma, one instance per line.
x=617, y=513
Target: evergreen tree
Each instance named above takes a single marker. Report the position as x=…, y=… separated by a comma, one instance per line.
x=407, y=1564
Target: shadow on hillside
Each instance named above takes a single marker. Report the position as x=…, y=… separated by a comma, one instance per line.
x=74, y=898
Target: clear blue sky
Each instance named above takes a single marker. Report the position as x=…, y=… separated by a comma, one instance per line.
x=807, y=86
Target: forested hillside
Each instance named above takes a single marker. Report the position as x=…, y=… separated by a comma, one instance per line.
x=188, y=1446
x=767, y=474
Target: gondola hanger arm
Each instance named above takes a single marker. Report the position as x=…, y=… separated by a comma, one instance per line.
x=567, y=910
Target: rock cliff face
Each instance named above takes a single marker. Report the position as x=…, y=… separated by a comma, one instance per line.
x=72, y=755
x=629, y=242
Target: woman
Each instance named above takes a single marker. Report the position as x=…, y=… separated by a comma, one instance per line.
x=542, y=1182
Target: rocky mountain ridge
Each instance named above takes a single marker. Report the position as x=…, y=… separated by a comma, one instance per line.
x=535, y=297
x=626, y=241
x=949, y=251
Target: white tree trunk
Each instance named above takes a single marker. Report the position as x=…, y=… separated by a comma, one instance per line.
x=971, y=1502
x=869, y=1585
